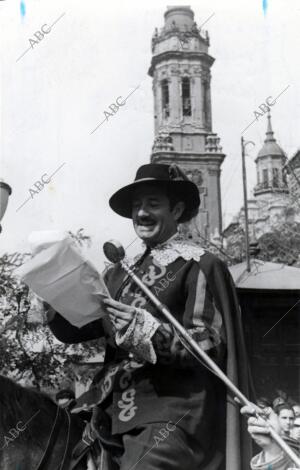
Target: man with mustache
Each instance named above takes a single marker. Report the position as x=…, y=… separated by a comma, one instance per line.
x=154, y=402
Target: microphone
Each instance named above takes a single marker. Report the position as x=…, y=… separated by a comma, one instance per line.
x=114, y=251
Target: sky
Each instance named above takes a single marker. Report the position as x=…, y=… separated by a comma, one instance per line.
x=55, y=87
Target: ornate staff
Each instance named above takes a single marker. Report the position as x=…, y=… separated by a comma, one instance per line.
x=115, y=253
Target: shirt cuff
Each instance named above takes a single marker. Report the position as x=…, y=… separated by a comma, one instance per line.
x=137, y=336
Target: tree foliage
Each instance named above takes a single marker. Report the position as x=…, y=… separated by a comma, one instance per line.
x=235, y=245
x=281, y=244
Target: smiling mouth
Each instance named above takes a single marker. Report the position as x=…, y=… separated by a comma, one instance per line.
x=148, y=223
x=146, y=226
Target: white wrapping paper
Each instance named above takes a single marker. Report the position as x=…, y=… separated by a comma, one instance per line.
x=60, y=275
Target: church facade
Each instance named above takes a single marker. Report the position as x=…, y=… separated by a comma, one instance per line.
x=276, y=192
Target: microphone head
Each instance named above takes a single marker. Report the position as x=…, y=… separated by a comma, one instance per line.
x=113, y=251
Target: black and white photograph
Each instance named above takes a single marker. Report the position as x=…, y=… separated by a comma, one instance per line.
x=149, y=235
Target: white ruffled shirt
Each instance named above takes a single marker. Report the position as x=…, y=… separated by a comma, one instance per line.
x=137, y=335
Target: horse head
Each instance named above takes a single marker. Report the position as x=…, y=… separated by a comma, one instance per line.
x=34, y=431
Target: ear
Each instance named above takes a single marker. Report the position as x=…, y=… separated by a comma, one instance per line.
x=178, y=210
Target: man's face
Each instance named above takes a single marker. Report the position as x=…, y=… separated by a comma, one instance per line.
x=296, y=409
x=286, y=419
x=295, y=432
x=153, y=219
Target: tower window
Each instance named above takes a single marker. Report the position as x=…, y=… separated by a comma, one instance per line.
x=205, y=102
x=165, y=98
x=265, y=178
x=275, y=177
x=186, y=97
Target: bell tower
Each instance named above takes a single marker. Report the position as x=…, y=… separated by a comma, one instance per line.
x=180, y=69
x=270, y=161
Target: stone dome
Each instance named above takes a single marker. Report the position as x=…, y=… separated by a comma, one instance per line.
x=270, y=146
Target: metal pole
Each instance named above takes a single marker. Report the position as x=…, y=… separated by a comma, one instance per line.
x=245, y=205
x=167, y=314
x=210, y=363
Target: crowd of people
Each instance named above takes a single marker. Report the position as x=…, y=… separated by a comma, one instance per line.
x=284, y=416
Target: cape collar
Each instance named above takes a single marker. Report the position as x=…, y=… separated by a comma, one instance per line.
x=173, y=248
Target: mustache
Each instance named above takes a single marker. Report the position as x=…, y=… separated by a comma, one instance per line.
x=145, y=220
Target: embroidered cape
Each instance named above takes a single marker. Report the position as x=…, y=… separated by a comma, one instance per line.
x=148, y=374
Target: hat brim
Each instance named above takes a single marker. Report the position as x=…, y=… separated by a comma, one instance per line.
x=186, y=191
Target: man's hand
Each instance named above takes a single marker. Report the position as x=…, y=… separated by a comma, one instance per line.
x=259, y=424
x=120, y=314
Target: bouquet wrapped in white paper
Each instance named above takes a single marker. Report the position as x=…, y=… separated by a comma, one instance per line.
x=60, y=275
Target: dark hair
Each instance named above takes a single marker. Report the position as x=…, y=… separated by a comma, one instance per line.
x=284, y=406
x=187, y=213
x=264, y=402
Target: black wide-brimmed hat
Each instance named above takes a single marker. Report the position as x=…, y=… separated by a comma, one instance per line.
x=170, y=177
